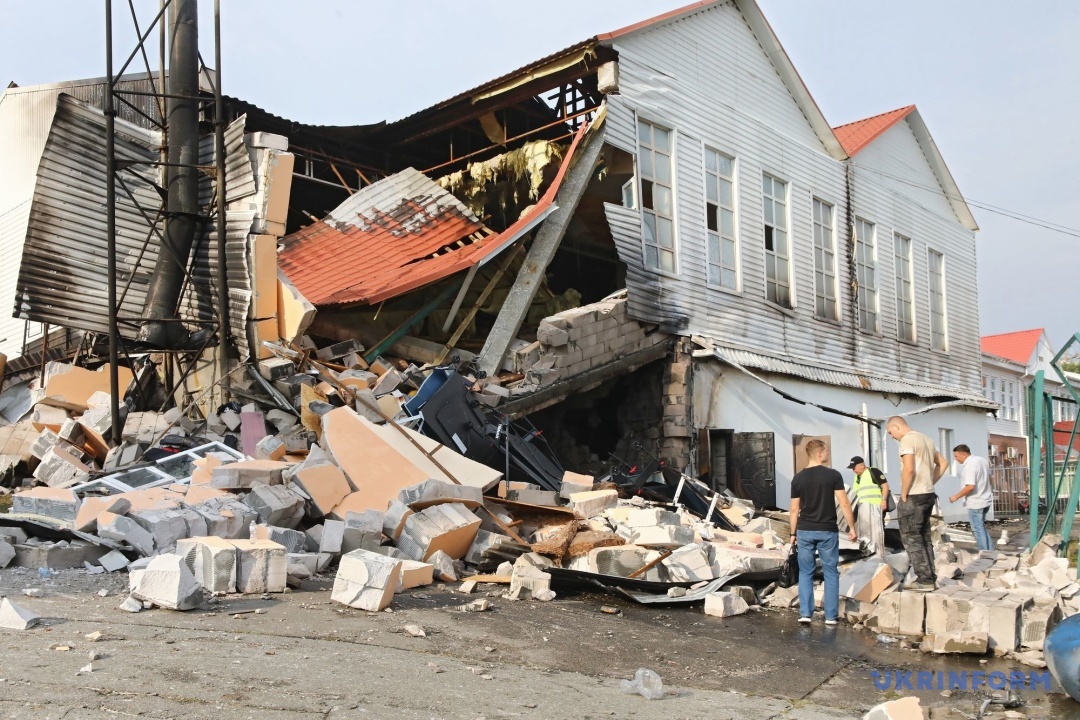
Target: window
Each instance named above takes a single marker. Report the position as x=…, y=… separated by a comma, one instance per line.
x=945, y=446
x=938, y=332
x=657, y=207
x=720, y=218
x=777, y=251
x=866, y=274
x=905, y=289
x=1010, y=401
x=824, y=262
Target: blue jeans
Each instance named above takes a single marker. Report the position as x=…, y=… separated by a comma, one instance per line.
x=827, y=547
x=978, y=527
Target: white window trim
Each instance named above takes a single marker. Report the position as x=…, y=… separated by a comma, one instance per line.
x=944, y=299
x=877, y=278
x=896, y=290
x=736, y=221
x=791, y=241
x=837, y=320
x=640, y=117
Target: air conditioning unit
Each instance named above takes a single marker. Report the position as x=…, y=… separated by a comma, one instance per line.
x=1012, y=453
x=994, y=451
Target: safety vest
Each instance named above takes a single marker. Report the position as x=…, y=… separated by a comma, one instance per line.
x=867, y=491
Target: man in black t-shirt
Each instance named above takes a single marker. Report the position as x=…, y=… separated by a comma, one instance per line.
x=815, y=492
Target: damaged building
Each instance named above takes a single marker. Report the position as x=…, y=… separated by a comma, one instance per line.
x=637, y=257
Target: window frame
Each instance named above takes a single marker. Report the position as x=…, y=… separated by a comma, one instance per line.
x=639, y=196
x=814, y=201
x=775, y=177
x=706, y=148
x=862, y=289
x=930, y=252
x=898, y=281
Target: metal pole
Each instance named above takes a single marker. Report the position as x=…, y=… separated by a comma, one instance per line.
x=222, y=233
x=1035, y=431
x=110, y=227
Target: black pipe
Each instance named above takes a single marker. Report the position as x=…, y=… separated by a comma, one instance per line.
x=110, y=230
x=182, y=181
x=219, y=144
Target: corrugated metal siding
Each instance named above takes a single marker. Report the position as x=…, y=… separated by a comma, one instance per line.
x=26, y=115
x=719, y=90
x=63, y=277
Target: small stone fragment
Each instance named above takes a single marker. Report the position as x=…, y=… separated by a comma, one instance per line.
x=414, y=631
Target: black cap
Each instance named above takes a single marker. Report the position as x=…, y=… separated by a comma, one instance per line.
x=855, y=461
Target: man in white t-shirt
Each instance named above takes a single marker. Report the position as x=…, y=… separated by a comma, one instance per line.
x=976, y=492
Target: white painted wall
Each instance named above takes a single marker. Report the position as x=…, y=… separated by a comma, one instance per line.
x=726, y=398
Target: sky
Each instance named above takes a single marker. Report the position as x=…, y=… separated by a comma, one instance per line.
x=996, y=81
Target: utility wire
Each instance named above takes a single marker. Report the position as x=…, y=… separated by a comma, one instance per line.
x=1012, y=214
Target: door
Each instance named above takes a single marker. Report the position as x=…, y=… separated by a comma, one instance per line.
x=714, y=458
x=753, y=468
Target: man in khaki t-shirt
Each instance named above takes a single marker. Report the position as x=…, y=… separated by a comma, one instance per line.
x=921, y=466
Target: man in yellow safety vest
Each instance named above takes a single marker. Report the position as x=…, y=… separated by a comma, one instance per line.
x=872, y=497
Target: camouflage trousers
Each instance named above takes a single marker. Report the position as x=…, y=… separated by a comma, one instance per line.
x=914, y=517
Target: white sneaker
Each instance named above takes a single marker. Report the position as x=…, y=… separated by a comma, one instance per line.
x=805, y=620
x=830, y=622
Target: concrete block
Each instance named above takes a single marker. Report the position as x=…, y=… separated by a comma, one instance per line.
x=60, y=467
x=436, y=492
x=124, y=529
x=482, y=543
x=212, y=560
x=648, y=517
x=323, y=482
x=7, y=554
x=575, y=483
x=662, y=536
x=1038, y=620
x=725, y=604
x=865, y=580
x=276, y=368
x=165, y=526
x=362, y=530
x=14, y=617
x=331, y=537
x=276, y=505
x=690, y=563
x=245, y=473
x=416, y=574
x=366, y=580
x=57, y=503
x=745, y=592
x=339, y=350
x=886, y=615
x=974, y=643
x=528, y=577
x=450, y=527
x=261, y=566
x=113, y=560
x=294, y=541
x=594, y=502
x=912, y=613
x=907, y=708
x=92, y=507
x=270, y=448
x=167, y=582
x=1006, y=624
x=444, y=566
x=144, y=427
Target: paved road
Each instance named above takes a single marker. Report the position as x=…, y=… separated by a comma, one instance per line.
x=305, y=657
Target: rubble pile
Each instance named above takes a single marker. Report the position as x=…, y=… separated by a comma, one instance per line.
x=331, y=473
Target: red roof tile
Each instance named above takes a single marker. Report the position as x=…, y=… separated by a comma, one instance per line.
x=856, y=135
x=397, y=235
x=1015, y=346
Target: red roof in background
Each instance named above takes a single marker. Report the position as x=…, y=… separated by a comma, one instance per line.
x=856, y=135
x=381, y=254
x=1015, y=346
x=1062, y=433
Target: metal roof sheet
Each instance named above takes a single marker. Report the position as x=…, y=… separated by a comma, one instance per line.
x=397, y=235
x=63, y=276
x=846, y=378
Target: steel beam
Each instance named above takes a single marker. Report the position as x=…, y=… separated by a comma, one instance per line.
x=546, y=243
x=1035, y=432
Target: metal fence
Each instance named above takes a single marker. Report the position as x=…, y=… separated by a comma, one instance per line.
x=1011, y=489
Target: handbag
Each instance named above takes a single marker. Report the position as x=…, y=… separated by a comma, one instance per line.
x=890, y=503
x=789, y=572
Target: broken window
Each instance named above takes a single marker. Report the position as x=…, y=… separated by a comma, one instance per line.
x=777, y=249
x=824, y=262
x=866, y=275
x=720, y=218
x=938, y=330
x=905, y=290
x=657, y=203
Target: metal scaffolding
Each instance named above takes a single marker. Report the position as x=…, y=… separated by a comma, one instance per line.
x=172, y=266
